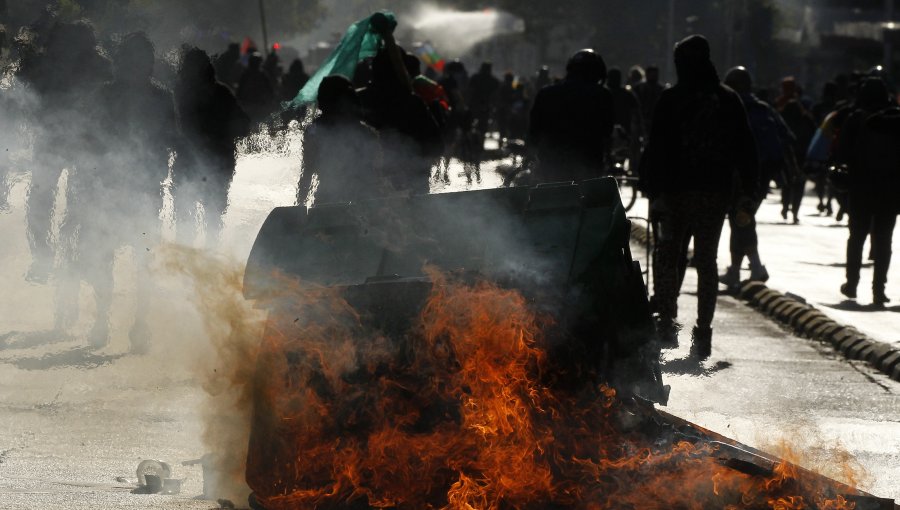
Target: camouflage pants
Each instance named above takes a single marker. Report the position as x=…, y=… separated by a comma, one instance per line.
x=685, y=214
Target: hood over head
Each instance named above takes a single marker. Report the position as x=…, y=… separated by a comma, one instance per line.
x=873, y=95
x=693, y=64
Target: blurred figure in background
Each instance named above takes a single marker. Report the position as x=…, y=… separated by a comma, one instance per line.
x=482, y=96
x=648, y=93
x=802, y=125
x=293, y=81
x=64, y=77
x=228, y=66
x=628, y=115
x=116, y=201
x=410, y=135
x=773, y=140
x=340, y=150
x=636, y=76
x=255, y=92
x=572, y=122
x=211, y=122
x=505, y=98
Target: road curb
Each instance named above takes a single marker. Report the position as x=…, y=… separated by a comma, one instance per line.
x=807, y=321
x=810, y=322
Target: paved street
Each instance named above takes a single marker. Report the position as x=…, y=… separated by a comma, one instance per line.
x=68, y=430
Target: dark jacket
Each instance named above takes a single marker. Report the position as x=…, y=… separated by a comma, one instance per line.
x=873, y=145
x=570, y=125
x=701, y=139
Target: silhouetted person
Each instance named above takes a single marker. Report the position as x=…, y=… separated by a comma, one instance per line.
x=700, y=141
x=63, y=77
x=636, y=76
x=293, y=81
x=827, y=104
x=803, y=127
x=255, y=91
x=572, y=121
x=410, y=135
x=228, y=66
x=271, y=67
x=340, y=149
x=211, y=121
x=773, y=141
x=506, y=95
x=481, y=96
x=431, y=92
x=116, y=201
x=870, y=146
x=542, y=78
x=628, y=113
x=648, y=93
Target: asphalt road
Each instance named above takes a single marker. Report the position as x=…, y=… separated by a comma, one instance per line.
x=69, y=429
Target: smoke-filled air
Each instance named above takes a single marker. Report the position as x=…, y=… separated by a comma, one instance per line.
x=454, y=255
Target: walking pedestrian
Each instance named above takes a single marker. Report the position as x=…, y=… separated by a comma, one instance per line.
x=701, y=149
x=870, y=146
x=773, y=141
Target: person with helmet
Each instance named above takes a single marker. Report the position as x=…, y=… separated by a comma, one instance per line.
x=572, y=121
x=773, y=141
x=700, y=156
x=869, y=145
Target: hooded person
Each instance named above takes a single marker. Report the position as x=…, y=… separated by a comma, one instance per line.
x=116, y=201
x=571, y=122
x=870, y=146
x=773, y=141
x=410, y=135
x=700, y=158
x=211, y=122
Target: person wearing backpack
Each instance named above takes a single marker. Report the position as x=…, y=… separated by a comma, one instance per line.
x=773, y=139
x=870, y=146
x=701, y=157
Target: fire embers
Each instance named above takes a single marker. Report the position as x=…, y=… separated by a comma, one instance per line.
x=446, y=406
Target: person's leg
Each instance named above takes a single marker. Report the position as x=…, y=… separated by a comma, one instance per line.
x=709, y=217
x=860, y=222
x=799, y=188
x=38, y=210
x=882, y=236
x=673, y=228
x=737, y=244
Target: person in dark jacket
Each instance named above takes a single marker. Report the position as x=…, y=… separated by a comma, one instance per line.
x=255, y=91
x=343, y=152
x=870, y=146
x=773, y=139
x=572, y=121
x=63, y=78
x=648, y=92
x=116, y=201
x=701, y=151
x=293, y=81
x=802, y=124
x=410, y=135
x=211, y=122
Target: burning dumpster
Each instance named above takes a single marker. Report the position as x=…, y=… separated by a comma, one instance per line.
x=479, y=350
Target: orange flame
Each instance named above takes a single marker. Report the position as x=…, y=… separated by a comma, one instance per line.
x=455, y=413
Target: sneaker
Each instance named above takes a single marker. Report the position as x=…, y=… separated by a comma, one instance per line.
x=879, y=299
x=760, y=274
x=849, y=290
x=731, y=278
x=701, y=346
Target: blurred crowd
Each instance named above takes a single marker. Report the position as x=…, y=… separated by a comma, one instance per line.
x=122, y=123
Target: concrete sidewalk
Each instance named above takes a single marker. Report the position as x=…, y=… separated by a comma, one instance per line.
x=808, y=260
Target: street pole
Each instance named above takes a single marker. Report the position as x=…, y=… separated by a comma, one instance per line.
x=888, y=33
x=670, y=42
x=265, y=34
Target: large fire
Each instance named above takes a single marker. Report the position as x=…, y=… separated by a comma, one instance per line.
x=455, y=408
